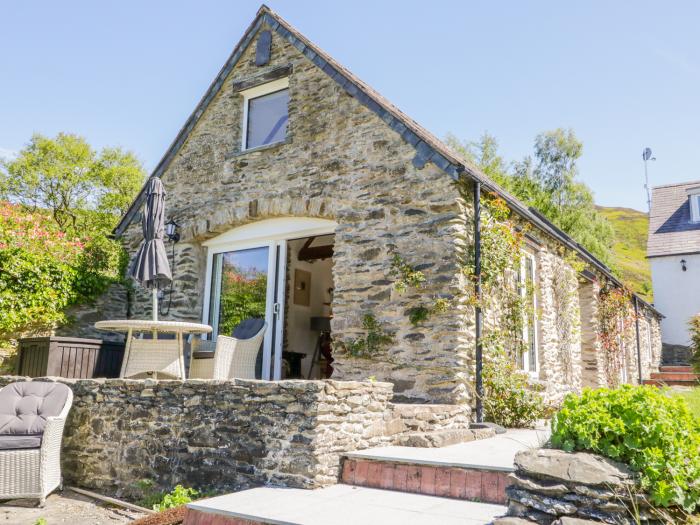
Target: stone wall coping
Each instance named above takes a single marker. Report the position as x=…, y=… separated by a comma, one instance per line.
x=573, y=467
x=293, y=384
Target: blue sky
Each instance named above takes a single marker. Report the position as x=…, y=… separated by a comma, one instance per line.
x=623, y=75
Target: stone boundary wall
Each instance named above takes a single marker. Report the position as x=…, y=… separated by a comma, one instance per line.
x=557, y=487
x=217, y=435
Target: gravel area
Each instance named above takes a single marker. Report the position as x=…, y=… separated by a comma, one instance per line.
x=65, y=507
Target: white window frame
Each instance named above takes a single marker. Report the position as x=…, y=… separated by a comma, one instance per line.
x=255, y=92
x=695, y=207
x=273, y=234
x=650, y=345
x=523, y=293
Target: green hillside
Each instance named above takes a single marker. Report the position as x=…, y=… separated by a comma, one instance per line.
x=629, y=250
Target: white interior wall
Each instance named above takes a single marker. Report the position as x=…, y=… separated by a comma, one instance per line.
x=676, y=295
x=299, y=338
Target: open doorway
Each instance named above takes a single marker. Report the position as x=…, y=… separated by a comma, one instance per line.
x=278, y=271
x=307, y=350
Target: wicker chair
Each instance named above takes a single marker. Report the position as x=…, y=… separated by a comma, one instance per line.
x=160, y=357
x=233, y=357
x=31, y=429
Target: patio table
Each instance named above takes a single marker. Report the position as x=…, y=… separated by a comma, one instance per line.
x=158, y=356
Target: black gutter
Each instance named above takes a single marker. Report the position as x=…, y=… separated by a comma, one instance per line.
x=477, y=309
x=639, y=350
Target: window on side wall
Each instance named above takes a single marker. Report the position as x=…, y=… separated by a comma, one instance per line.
x=265, y=114
x=527, y=279
x=650, y=345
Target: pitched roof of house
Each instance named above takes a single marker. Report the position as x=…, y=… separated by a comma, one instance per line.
x=670, y=229
x=428, y=147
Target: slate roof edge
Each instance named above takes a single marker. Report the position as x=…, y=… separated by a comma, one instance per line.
x=428, y=147
x=689, y=183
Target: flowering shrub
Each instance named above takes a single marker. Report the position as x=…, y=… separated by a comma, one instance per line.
x=614, y=320
x=43, y=270
x=655, y=434
x=509, y=400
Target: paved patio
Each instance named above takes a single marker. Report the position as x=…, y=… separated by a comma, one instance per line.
x=347, y=505
x=65, y=507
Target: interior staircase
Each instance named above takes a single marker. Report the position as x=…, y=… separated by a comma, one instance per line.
x=681, y=375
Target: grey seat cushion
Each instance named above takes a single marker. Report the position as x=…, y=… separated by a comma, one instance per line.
x=247, y=329
x=24, y=408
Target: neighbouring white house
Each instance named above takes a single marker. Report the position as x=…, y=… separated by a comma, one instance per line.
x=674, y=253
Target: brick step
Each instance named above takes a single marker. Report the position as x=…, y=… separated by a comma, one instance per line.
x=676, y=368
x=448, y=481
x=674, y=376
x=664, y=382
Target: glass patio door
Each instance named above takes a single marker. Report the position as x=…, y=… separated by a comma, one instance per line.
x=249, y=283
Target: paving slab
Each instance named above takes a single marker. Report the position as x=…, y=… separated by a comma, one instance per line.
x=496, y=453
x=64, y=507
x=347, y=505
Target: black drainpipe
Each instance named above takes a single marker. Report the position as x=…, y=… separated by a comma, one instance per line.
x=477, y=309
x=639, y=350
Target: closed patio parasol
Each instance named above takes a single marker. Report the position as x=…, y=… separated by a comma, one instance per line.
x=150, y=267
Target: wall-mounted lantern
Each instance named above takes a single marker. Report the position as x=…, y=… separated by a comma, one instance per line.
x=171, y=230
x=683, y=265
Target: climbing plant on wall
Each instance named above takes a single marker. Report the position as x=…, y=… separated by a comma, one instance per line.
x=408, y=277
x=614, y=320
x=502, y=290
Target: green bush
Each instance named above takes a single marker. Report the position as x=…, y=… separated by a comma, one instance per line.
x=694, y=326
x=176, y=497
x=159, y=501
x=509, y=399
x=655, y=434
x=44, y=270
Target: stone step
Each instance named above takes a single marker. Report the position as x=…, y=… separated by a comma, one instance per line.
x=337, y=505
x=456, y=482
x=442, y=438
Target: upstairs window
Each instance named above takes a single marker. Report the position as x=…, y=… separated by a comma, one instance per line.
x=695, y=205
x=265, y=114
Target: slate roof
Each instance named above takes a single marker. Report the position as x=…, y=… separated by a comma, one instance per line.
x=428, y=147
x=670, y=229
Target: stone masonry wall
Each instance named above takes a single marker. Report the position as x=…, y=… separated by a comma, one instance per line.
x=341, y=162
x=556, y=487
x=113, y=304
x=217, y=435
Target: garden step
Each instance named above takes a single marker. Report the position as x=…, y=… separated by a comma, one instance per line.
x=671, y=382
x=674, y=376
x=443, y=438
x=676, y=368
x=339, y=505
x=433, y=480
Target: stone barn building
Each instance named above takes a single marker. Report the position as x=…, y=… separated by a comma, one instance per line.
x=304, y=197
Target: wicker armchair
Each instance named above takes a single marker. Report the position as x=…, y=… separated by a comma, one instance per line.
x=233, y=357
x=28, y=471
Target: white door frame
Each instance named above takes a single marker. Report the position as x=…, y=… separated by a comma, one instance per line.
x=273, y=234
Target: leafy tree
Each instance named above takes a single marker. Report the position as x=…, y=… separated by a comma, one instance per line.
x=483, y=153
x=549, y=183
x=65, y=175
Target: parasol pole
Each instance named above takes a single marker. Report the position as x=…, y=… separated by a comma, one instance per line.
x=155, y=303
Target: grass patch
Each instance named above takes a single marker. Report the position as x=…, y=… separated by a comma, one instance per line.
x=630, y=247
x=692, y=397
